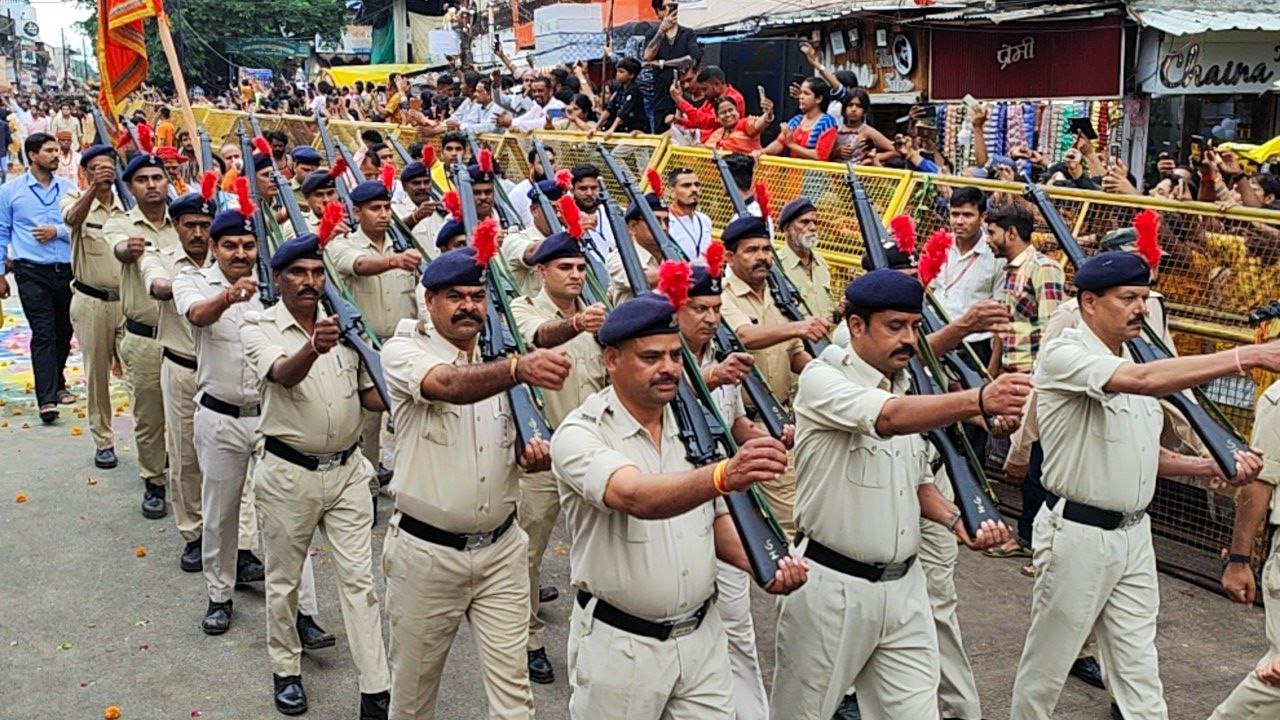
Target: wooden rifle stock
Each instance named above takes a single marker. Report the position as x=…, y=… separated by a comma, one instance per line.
x=266, y=283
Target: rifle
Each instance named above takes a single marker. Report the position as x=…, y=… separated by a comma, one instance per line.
x=267, y=289
x=964, y=468
x=350, y=322
x=707, y=439
x=772, y=414
x=596, y=271
x=506, y=211
x=1205, y=417
x=406, y=158
x=498, y=339
x=786, y=296
x=206, y=160
x=100, y=129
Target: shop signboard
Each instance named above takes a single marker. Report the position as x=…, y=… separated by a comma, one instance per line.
x=1215, y=63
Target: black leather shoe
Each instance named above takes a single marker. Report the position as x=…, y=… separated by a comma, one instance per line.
x=547, y=593
x=540, y=667
x=248, y=568
x=1115, y=712
x=105, y=459
x=374, y=706
x=313, y=636
x=1088, y=670
x=217, y=619
x=848, y=709
x=291, y=699
x=192, y=559
x=153, y=507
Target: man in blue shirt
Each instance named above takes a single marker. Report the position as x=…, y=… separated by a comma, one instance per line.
x=36, y=245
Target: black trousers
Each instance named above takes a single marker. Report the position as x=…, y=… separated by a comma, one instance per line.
x=45, y=293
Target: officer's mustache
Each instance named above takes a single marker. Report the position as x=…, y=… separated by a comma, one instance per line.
x=664, y=379
x=762, y=265
x=466, y=315
x=309, y=291
x=905, y=350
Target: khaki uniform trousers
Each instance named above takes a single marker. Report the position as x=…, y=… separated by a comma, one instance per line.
x=430, y=588
x=225, y=446
x=142, y=359
x=292, y=502
x=1253, y=699
x=840, y=631
x=957, y=690
x=1091, y=579
x=376, y=443
x=733, y=602
x=179, y=385
x=99, y=326
x=538, y=511
x=615, y=675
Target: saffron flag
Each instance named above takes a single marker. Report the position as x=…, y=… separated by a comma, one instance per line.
x=122, y=49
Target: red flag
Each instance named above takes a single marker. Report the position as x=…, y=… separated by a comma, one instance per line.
x=122, y=49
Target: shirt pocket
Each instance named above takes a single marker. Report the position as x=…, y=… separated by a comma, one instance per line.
x=1113, y=418
x=870, y=461
x=443, y=424
x=508, y=423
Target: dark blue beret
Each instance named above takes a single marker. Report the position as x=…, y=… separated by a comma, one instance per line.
x=702, y=284
x=450, y=230
x=634, y=213
x=413, y=171
x=886, y=289
x=139, y=161
x=316, y=180
x=1112, y=269
x=190, y=204
x=897, y=260
x=368, y=191
x=261, y=162
x=230, y=222
x=94, y=151
x=794, y=209
x=648, y=314
x=479, y=176
x=742, y=229
x=548, y=188
x=304, y=246
x=307, y=156
x=558, y=245
x=456, y=267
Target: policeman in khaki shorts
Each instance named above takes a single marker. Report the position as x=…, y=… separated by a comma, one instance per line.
x=309, y=475
x=559, y=319
x=646, y=528
x=95, y=306
x=864, y=619
x=453, y=548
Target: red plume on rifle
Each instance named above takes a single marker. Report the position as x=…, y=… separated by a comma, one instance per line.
x=388, y=176
x=453, y=204
x=762, y=199
x=485, y=241
x=904, y=234
x=934, y=256
x=144, y=138
x=673, y=281
x=571, y=214
x=429, y=155
x=333, y=215
x=261, y=146
x=564, y=179
x=242, y=197
x=715, y=259
x=1147, y=225
x=485, y=160
x=339, y=169
x=655, y=181
x=208, y=185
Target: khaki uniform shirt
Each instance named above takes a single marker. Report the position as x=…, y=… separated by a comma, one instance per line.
x=173, y=332
x=514, y=246
x=1100, y=448
x=655, y=569
x=222, y=370
x=135, y=302
x=619, y=286
x=855, y=491
x=319, y=415
x=455, y=464
x=296, y=186
x=586, y=376
x=728, y=398
x=93, y=260
x=1266, y=437
x=813, y=282
x=743, y=307
x=384, y=299
x=425, y=231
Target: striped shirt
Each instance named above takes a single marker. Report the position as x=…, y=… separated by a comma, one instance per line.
x=824, y=123
x=1033, y=288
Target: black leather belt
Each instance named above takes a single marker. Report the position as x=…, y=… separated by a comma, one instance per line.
x=284, y=451
x=186, y=362
x=874, y=572
x=226, y=408
x=458, y=541
x=1094, y=516
x=625, y=621
x=93, y=292
x=137, y=328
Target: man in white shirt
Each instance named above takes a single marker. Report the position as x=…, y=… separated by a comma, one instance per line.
x=64, y=122
x=520, y=193
x=595, y=219
x=973, y=274
x=545, y=112
x=687, y=226
x=483, y=114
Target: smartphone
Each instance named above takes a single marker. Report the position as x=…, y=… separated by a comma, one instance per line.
x=1083, y=126
x=763, y=96
x=969, y=101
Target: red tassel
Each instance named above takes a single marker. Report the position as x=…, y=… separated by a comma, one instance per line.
x=333, y=215
x=655, y=181
x=339, y=168
x=208, y=185
x=429, y=156
x=453, y=204
x=904, y=234
x=572, y=216
x=485, y=161
x=261, y=146
x=673, y=281
x=826, y=144
x=762, y=199
x=485, y=241
x=564, y=179
x=715, y=259
x=1147, y=225
x=388, y=176
x=144, y=138
x=934, y=256
x=242, y=196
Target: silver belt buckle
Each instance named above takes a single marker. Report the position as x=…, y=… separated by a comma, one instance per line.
x=1131, y=519
x=328, y=462
x=894, y=571
x=251, y=411
x=684, y=627
x=113, y=296
x=479, y=540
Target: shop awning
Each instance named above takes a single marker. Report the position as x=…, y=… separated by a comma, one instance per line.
x=1180, y=17
x=347, y=75
x=754, y=15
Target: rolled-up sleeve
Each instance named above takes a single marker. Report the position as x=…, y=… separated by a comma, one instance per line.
x=584, y=462
x=1065, y=366
x=829, y=401
x=404, y=366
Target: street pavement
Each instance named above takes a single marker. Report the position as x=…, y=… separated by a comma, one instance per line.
x=95, y=613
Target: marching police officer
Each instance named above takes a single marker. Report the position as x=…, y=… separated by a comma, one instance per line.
x=646, y=249
x=305, y=162
x=799, y=259
x=419, y=212
x=518, y=247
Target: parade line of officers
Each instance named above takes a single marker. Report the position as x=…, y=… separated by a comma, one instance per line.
x=249, y=421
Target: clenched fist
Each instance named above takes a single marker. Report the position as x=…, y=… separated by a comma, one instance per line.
x=544, y=368
x=325, y=336
x=1006, y=394
x=759, y=459
x=590, y=319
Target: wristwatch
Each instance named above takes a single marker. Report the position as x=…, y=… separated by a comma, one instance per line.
x=952, y=520
x=1233, y=558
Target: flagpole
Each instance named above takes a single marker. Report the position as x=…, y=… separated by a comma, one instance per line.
x=179, y=82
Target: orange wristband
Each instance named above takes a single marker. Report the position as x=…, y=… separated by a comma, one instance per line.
x=717, y=477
